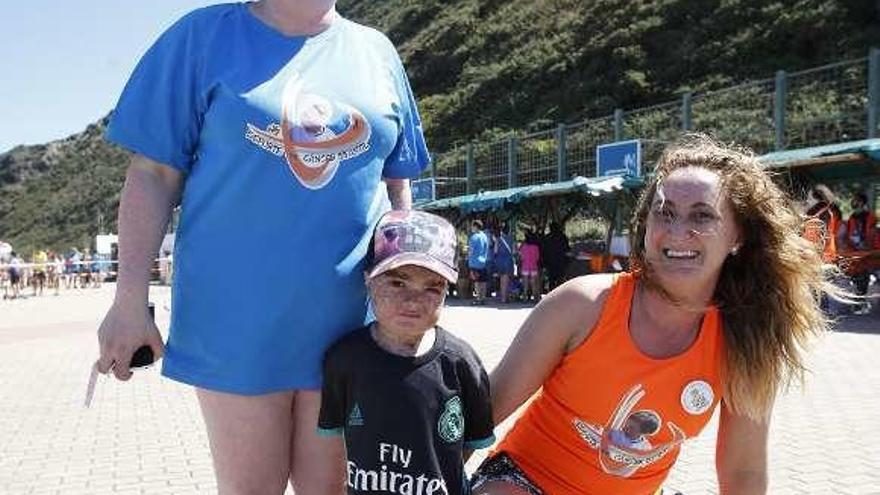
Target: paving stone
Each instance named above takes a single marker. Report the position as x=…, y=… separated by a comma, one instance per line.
x=146, y=436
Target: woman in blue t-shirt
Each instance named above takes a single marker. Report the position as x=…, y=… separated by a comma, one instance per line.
x=291, y=128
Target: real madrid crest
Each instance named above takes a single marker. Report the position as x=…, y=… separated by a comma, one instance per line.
x=697, y=397
x=451, y=423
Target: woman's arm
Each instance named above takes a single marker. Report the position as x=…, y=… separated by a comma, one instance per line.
x=557, y=325
x=399, y=193
x=149, y=195
x=741, y=454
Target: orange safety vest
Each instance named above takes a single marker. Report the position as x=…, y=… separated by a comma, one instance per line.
x=823, y=232
x=863, y=231
x=609, y=419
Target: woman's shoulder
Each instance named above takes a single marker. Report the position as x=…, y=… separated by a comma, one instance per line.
x=591, y=289
x=581, y=297
x=369, y=34
x=580, y=301
x=201, y=22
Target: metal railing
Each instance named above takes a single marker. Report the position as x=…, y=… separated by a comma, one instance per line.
x=823, y=105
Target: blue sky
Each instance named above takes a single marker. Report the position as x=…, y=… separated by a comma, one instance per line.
x=64, y=63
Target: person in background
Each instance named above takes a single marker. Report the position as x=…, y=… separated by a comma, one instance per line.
x=289, y=129
x=478, y=256
x=4, y=278
x=824, y=227
x=99, y=268
x=491, y=274
x=555, y=253
x=14, y=272
x=824, y=224
x=503, y=263
x=860, y=236
x=39, y=260
x=56, y=272
x=85, y=269
x=530, y=266
x=75, y=258
x=625, y=368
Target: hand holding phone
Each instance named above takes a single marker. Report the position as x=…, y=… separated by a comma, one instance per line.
x=141, y=358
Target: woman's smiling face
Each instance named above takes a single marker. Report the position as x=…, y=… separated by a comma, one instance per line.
x=691, y=228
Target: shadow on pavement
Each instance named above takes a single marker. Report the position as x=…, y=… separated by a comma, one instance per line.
x=853, y=323
x=490, y=303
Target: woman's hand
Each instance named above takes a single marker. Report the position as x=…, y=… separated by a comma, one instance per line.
x=126, y=327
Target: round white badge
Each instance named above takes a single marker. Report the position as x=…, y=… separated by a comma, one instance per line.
x=697, y=397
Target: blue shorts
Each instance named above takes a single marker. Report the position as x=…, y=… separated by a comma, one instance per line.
x=504, y=266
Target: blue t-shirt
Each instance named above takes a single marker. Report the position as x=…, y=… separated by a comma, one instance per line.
x=478, y=250
x=283, y=142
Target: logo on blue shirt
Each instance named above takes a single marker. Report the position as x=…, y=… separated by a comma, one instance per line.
x=314, y=135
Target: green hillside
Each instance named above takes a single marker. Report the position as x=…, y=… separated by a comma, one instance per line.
x=481, y=68
x=60, y=194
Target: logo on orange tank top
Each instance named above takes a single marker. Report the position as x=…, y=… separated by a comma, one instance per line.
x=623, y=444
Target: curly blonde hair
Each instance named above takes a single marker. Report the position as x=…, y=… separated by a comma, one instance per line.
x=768, y=293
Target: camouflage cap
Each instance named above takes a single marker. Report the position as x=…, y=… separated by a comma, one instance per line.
x=412, y=237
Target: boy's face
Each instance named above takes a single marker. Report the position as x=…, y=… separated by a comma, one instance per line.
x=407, y=300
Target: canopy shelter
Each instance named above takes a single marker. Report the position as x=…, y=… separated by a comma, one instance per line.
x=852, y=161
x=538, y=205
x=541, y=203
x=483, y=201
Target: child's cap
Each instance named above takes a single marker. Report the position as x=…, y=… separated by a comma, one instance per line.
x=411, y=237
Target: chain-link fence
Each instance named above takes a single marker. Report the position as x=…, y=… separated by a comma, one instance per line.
x=581, y=142
x=450, y=173
x=537, y=158
x=491, y=162
x=742, y=114
x=827, y=104
x=661, y=122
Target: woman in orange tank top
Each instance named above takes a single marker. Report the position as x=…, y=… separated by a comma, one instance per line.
x=621, y=370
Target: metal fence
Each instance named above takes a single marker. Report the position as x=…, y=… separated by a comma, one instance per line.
x=828, y=104
x=823, y=105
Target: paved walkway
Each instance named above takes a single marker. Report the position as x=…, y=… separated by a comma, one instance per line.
x=146, y=436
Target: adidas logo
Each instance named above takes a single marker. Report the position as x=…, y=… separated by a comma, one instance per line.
x=355, y=418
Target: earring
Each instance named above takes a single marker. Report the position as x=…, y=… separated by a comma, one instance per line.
x=734, y=250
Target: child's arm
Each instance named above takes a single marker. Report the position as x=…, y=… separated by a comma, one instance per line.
x=477, y=407
x=331, y=419
x=330, y=447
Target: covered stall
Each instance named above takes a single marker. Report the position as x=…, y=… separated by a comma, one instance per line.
x=536, y=206
x=847, y=169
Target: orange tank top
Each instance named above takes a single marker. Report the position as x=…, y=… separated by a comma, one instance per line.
x=609, y=420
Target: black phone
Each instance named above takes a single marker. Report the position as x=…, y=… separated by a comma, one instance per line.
x=143, y=356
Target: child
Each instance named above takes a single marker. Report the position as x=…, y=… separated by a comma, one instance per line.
x=409, y=399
